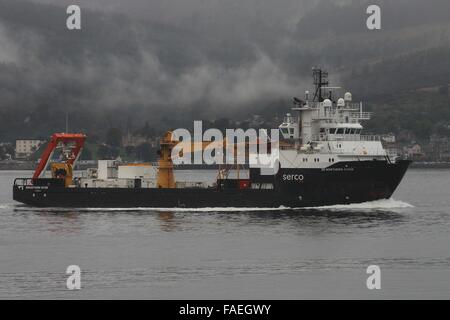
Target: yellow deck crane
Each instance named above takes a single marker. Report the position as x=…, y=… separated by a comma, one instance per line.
x=165, y=177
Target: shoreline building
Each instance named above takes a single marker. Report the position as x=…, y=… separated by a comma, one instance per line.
x=26, y=147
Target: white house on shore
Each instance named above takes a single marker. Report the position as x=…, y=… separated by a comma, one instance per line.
x=26, y=147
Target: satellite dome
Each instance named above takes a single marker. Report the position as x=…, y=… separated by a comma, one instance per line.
x=348, y=96
x=327, y=103
x=341, y=102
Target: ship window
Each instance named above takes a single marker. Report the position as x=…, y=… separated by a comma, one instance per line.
x=256, y=185
x=284, y=130
x=266, y=185
x=322, y=129
x=340, y=131
x=347, y=131
x=358, y=131
x=352, y=131
x=291, y=130
x=333, y=130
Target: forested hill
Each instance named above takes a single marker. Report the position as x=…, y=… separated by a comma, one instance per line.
x=230, y=62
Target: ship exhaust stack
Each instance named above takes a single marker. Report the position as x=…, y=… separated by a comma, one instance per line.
x=165, y=171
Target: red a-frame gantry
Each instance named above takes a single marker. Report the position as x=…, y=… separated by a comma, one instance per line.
x=77, y=140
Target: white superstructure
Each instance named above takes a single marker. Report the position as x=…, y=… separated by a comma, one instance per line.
x=326, y=131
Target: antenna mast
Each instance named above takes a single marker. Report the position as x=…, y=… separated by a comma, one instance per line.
x=320, y=80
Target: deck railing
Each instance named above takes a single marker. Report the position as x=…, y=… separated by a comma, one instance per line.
x=346, y=137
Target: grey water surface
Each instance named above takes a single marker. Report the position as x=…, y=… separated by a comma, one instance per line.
x=226, y=254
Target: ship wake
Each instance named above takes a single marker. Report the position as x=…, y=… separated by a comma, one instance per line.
x=383, y=204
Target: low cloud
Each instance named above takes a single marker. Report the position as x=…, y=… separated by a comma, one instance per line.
x=189, y=59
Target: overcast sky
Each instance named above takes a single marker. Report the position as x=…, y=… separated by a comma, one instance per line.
x=174, y=11
x=208, y=58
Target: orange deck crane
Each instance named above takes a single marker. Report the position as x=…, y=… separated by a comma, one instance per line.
x=165, y=177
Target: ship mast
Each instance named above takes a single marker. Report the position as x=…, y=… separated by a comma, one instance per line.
x=320, y=81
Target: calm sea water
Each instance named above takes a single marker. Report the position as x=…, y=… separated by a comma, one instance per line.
x=190, y=254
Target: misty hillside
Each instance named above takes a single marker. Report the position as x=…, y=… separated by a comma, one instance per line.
x=213, y=60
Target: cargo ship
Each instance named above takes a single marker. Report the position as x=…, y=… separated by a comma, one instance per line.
x=324, y=159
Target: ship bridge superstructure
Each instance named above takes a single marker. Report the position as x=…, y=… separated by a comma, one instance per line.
x=329, y=124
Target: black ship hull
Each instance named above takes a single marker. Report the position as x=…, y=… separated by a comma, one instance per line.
x=342, y=183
